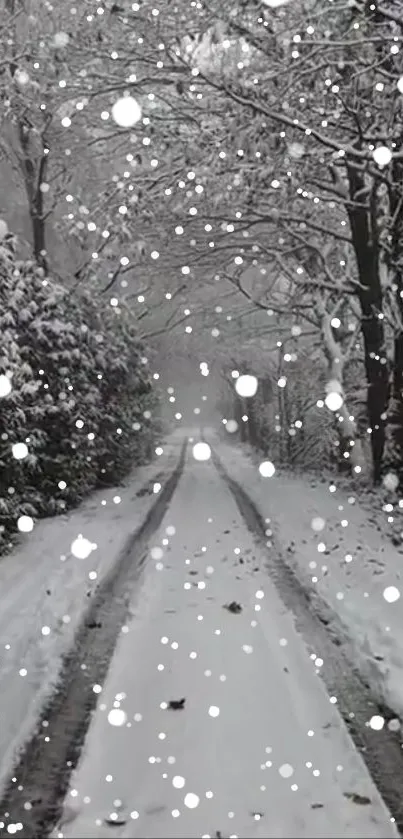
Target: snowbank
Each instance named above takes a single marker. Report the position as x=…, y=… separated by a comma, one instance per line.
x=350, y=564
x=45, y=590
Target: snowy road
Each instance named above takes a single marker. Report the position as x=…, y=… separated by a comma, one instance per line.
x=258, y=749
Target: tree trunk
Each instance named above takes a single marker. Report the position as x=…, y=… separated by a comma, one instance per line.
x=38, y=231
x=395, y=266
x=365, y=243
x=33, y=180
x=252, y=426
x=238, y=413
x=346, y=428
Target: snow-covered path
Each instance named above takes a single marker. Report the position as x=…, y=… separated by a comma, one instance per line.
x=258, y=749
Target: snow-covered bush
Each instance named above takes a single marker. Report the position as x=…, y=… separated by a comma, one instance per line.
x=80, y=396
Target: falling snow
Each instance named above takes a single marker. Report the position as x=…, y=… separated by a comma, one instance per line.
x=201, y=432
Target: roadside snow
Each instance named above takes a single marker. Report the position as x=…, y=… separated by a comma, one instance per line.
x=258, y=749
x=45, y=590
x=348, y=563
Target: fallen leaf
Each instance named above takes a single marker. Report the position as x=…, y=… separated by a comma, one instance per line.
x=233, y=607
x=176, y=704
x=118, y=822
x=158, y=808
x=356, y=798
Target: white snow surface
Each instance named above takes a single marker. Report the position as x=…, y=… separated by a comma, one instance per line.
x=276, y=761
x=42, y=585
x=350, y=578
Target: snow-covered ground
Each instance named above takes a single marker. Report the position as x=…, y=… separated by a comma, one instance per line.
x=45, y=589
x=258, y=748
x=350, y=563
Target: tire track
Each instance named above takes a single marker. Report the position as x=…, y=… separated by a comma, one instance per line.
x=381, y=751
x=35, y=792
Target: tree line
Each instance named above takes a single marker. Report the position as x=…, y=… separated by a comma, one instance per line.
x=269, y=139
